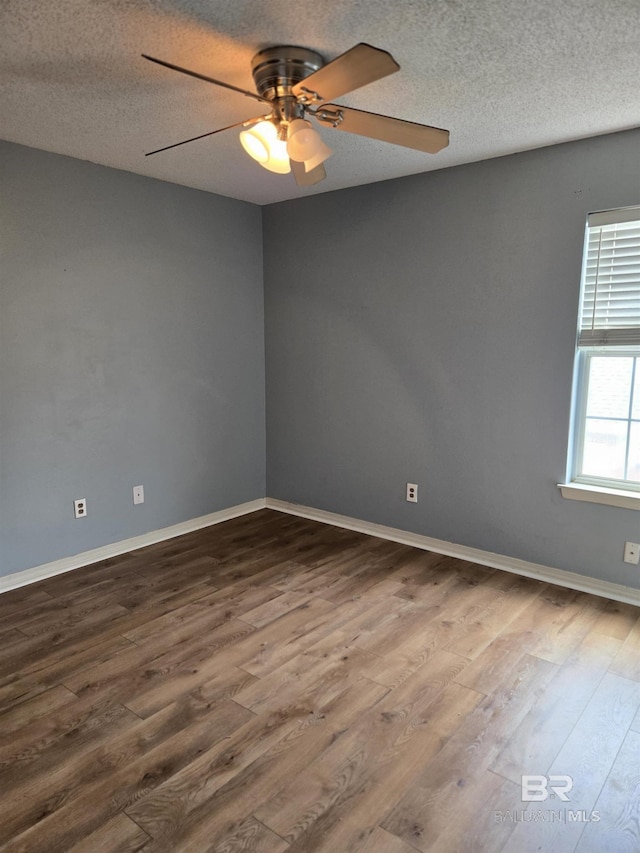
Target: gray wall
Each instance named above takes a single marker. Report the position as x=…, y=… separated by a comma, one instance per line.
x=423, y=330
x=417, y=330
x=131, y=351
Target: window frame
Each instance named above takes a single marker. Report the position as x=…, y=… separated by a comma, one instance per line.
x=584, y=356
x=578, y=486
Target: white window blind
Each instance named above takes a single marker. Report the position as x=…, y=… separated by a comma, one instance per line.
x=610, y=313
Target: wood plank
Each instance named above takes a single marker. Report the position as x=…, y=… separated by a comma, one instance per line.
x=29, y=652
x=484, y=822
x=618, y=806
x=542, y=733
x=458, y=604
x=496, y=663
x=163, y=596
x=114, y=569
x=10, y=636
x=616, y=620
x=367, y=573
x=101, y=589
x=393, y=719
x=252, y=836
x=315, y=676
x=61, y=807
x=587, y=757
x=457, y=618
x=22, y=599
x=49, y=670
x=274, y=608
x=192, y=814
x=381, y=841
x=353, y=784
x=321, y=545
x=44, y=745
x=166, y=810
x=197, y=617
x=51, y=623
x=627, y=661
x=118, y=835
x=130, y=679
x=406, y=628
x=480, y=822
x=450, y=781
x=18, y=717
x=511, y=582
x=63, y=610
x=205, y=678
x=417, y=567
x=295, y=623
x=450, y=572
x=271, y=652
x=500, y=613
x=555, y=623
x=255, y=565
x=191, y=562
x=274, y=683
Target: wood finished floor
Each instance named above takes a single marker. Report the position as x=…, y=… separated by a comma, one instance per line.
x=272, y=684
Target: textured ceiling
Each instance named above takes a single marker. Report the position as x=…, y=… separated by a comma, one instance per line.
x=501, y=75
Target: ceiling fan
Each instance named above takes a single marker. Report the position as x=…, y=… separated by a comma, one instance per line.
x=295, y=82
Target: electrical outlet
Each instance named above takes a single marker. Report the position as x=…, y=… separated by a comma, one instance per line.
x=80, y=508
x=632, y=553
x=412, y=493
x=138, y=494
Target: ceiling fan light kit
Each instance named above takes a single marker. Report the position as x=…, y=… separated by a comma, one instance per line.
x=306, y=145
x=256, y=141
x=263, y=144
x=323, y=152
x=295, y=83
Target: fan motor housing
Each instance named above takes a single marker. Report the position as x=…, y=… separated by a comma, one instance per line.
x=276, y=70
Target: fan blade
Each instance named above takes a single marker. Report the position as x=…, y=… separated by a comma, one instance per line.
x=394, y=130
x=361, y=65
x=307, y=179
x=202, y=135
x=205, y=78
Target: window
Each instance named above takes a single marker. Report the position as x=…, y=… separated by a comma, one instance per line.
x=608, y=446
x=605, y=451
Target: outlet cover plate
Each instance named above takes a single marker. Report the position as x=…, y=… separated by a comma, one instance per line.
x=412, y=493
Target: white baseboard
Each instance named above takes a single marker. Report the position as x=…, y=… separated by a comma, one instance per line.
x=67, y=564
x=615, y=591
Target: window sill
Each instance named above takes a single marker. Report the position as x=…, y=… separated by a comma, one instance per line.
x=600, y=495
